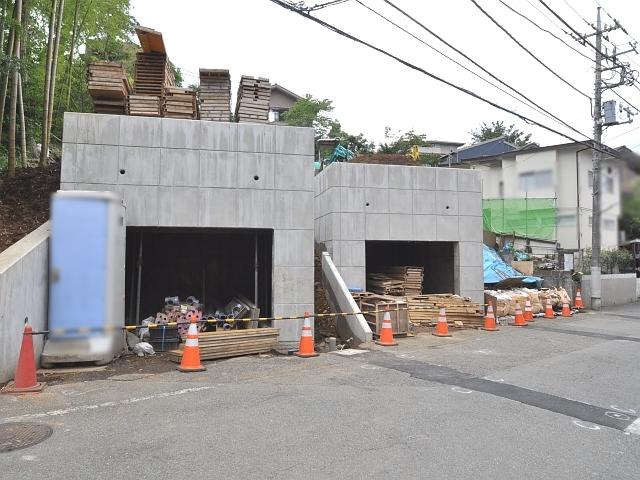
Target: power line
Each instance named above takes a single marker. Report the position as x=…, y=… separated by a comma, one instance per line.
x=579, y=36
x=588, y=143
x=623, y=134
x=539, y=109
x=488, y=15
x=547, y=31
x=578, y=13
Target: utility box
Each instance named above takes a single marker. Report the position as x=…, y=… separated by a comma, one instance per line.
x=86, y=278
x=609, y=113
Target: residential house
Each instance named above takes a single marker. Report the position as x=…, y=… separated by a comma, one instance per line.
x=281, y=101
x=563, y=172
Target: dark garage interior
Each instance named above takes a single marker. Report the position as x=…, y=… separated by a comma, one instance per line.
x=437, y=258
x=214, y=265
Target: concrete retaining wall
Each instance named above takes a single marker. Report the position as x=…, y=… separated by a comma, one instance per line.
x=24, y=287
x=617, y=289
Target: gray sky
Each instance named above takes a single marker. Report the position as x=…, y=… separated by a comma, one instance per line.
x=370, y=91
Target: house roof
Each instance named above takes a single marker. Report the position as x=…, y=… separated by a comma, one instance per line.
x=488, y=148
x=445, y=142
x=285, y=91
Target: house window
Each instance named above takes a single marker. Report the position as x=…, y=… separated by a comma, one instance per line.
x=607, y=184
x=566, y=220
x=609, y=224
x=535, y=180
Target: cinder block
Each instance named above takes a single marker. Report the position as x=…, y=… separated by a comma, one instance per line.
x=292, y=285
x=98, y=129
x=352, y=226
x=446, y=203
x=70, y=127
x=352, y=174
x=447, y=228
x=352, y=253
x=293, y=209
x=469, y=253
x=178, y=206
x=179, y=167
x=446, y=178
x=294, y=172
x=400, y=201
x=471, y=228
x=218, y=207
x=401, y=176
x=376, y=176
x=293, y=248
x=425, y=178
x=470, y=203
x=401, y=227
x=256, y=138
x=354, y=277
x=295, y=140
x=424, y=202
x=255, y=170
x=425, y=228
x=471, y=278
x=376, y=200
x=351, y=199
x=141, y=204
x=218, y=168
x=219, y=136
x=139, y=166
x=377, y=226
x=69, y=162
x=179, y=133
x=140, y=131
x=469, y=180
x=256, y=209
x=97, y=164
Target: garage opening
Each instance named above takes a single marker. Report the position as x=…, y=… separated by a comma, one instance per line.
x=437, y=259
x=212, y=265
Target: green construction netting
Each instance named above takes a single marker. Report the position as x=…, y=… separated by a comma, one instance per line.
x=525, y=217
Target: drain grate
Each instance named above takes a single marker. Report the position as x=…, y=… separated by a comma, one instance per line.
x=14, y=436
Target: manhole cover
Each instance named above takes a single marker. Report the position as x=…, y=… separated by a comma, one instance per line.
x=14, y=436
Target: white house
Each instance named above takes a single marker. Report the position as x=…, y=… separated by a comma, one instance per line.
x=563, y=172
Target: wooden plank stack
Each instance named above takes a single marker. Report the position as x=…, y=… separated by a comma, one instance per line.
x=424, y=309
x=373, y=308
x=384, y=285
x=410, y=276
x=215, y=95
x=254, y=95
x=144, y=105
x=179, y=103
x=232, y=343
x=108, y=87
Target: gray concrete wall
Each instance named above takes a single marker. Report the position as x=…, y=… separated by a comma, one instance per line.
x=189, y=173
x=358, y=202
x=24, y=288
x=617, y=289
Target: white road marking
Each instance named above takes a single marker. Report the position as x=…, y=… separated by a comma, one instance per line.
x=623, y=410
x=368, y=366
x=633, y=428
x=461, y=390
x=583, y=425
x=115, y=403
x=491, y=379
x=618, y=415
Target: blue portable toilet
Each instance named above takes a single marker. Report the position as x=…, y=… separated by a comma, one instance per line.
x=86, y=278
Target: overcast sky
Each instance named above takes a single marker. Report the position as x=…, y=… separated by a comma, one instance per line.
x=371, y=91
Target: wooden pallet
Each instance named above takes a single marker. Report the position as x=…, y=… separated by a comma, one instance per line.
x=232, y=343
x=108, y=86
x=254, y=96
x=384, y=285
x=144, y=105
x=179, y=103
x=215, y=94
x=411, y=276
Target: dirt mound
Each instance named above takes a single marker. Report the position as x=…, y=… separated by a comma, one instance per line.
x=386, y=159
x=24, y=201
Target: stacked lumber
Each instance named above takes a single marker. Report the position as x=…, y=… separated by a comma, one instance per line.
x=424, y=309
x=410, y=276
x=215, y=95
x=254, y=95
x=384, y=285
x=108, y=87
x=179, y=103
x=144, y=105
x=373, y=307
x=152, y=74
x=232, y=343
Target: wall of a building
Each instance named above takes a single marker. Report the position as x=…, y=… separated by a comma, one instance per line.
x=355, y=203
x=280, y=100
x=24, y=289
x=617, y=289
x=188, y=173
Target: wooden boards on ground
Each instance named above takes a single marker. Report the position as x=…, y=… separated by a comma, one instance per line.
x=232, y=343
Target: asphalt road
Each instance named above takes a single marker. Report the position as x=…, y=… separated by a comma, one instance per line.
x=555, y=400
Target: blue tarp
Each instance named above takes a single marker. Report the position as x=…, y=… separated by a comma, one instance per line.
x=496, y=270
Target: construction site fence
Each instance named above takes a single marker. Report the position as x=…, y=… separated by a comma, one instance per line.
x=533, y=218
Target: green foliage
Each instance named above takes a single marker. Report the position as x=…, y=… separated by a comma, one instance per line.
x=431, y=159
x=498, y=129
x=630, y=219
x=401, y=142
x=177, y=74
x=613, y=260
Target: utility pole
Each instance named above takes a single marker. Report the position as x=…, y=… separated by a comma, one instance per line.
x=596, y=281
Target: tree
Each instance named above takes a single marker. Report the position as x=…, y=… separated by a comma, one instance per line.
x=630, y=219
x=13, y=94
x=401, y=142
x=498, y=129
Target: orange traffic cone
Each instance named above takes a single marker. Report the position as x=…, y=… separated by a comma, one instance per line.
x=490, y=320
x=386, y=332
x=548, y=312
x=25, y=379
x=191, y=353
x=519, y=322
x=528, y=312
x=442, y=329
x=578, y=301
x=306, y=339
x=566, y=311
